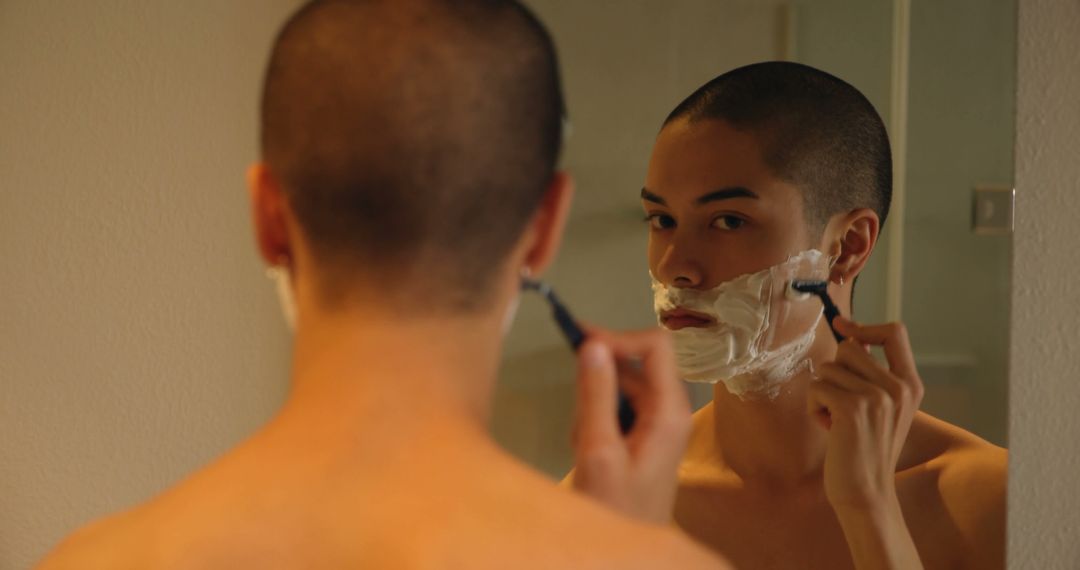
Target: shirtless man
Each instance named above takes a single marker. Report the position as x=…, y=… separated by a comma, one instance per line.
x=407, y=181
x=836, y=468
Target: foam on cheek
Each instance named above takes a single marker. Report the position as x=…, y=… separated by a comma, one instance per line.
x=739, y=350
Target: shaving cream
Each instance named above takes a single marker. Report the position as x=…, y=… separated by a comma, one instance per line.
x=279, y=274
x=742, y=348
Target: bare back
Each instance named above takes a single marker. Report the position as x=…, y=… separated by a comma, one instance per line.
x=263, y=507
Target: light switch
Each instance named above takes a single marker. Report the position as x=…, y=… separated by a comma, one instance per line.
x=992, y=210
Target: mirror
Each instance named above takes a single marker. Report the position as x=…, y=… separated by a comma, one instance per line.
x=134, y=341
x=941, y=75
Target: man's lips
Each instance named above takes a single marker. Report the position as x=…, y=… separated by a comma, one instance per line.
x=682, y=318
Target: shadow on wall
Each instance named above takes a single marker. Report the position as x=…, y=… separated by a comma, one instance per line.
x=534, y=409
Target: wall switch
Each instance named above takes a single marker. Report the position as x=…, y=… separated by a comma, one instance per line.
x=992, y=210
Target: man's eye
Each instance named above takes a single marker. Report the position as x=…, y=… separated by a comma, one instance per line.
x=660, y=221
x=728, y=223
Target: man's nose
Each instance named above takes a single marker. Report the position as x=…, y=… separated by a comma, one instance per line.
x=677, y=269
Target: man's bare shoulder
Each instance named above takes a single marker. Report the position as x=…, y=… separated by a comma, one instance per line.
x=953, y=451
x=965, y=465
x=158, y=532
x=512, y=518
x=971, y=479
x=99, y=545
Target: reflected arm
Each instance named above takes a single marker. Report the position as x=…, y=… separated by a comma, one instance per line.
x=879, y=539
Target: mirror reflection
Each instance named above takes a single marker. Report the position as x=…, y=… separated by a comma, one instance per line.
x=952, y=284
x=941, y=79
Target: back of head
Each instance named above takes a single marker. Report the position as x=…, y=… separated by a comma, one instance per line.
x=817, y=132
x=413, y=139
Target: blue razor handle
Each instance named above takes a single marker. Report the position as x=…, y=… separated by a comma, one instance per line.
x=820, y=290
x=576, y=337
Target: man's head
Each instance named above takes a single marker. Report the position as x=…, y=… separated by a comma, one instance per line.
x=752, y=170
x=408, y=146
x=815, y=130
x=805, y=163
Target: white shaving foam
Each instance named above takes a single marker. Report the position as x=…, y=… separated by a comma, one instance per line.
x=279, y=274
x=738, y=350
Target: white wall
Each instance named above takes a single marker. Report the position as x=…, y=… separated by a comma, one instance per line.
x=138, y=336
x=1044, y=395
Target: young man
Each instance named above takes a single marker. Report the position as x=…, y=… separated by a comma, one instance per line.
x=811, y=454
x=407, y=182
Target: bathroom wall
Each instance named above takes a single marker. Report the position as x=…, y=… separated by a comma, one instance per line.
x=1044, y=426
x=138, y=335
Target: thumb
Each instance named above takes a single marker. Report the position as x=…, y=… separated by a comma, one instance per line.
x=597, y=402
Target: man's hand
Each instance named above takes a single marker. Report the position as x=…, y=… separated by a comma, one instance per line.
x=868, y=411
x=636, y=473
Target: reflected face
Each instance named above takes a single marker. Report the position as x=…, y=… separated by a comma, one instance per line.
x=715, y=210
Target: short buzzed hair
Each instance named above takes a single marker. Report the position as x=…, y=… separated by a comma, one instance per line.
x=817, y=131
x=413, y=139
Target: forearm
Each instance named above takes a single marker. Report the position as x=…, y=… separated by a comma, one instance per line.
x=878, y=538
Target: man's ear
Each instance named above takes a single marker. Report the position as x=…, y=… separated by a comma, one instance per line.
x=851, y=239
x=268, y=211
x=545, y=231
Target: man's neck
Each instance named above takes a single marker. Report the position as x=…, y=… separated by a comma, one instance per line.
x=366, y=375
x=775, y=442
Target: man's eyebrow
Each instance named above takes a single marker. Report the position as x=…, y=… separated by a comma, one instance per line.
x=650, y=197
x=727, y=194
x=722, y=194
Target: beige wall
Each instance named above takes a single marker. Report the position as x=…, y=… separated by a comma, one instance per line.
x=1044, y=395
x=138, y=336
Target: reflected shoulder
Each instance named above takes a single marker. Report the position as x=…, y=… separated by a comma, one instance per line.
x=937, y=443
x=972, y=482
x=973, y=488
